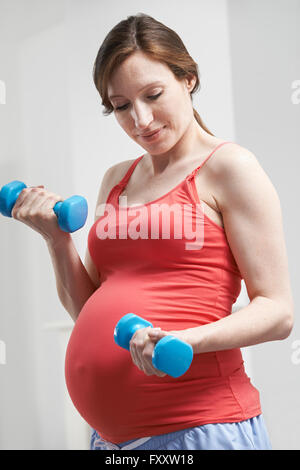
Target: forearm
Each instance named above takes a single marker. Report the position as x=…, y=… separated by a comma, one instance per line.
x=74, y=285
x=260, y=321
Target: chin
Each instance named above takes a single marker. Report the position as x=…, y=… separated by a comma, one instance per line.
x=157, y=150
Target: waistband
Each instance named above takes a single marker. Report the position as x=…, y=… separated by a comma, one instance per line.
x=100, y=442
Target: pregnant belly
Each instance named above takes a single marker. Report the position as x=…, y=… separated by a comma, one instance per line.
x=105, y=386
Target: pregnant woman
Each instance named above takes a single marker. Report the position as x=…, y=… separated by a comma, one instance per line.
x=149, y=265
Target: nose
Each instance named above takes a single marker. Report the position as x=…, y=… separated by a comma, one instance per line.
x=142, y=116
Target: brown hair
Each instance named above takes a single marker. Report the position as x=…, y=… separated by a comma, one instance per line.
x=142, y=32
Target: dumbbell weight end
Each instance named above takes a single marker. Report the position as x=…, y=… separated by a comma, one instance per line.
x=172, y=356
x=126, y=327
x=71, y=213
x=8, y=196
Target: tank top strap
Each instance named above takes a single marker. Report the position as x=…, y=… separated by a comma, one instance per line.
x=118, y=188
x=129, y=172
x=193, y=174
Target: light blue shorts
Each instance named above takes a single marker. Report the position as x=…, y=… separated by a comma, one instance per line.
x=250, y=434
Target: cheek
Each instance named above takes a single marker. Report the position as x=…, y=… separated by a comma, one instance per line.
x=171, y=112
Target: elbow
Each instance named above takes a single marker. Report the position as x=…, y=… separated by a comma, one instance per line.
x=287, y=328
x=286, y=323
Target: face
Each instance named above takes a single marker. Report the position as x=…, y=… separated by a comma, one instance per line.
x=146, y=97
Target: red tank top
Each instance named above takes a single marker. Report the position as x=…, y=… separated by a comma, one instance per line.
x=175, y=283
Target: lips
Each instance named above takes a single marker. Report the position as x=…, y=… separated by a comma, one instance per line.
x=151, y=133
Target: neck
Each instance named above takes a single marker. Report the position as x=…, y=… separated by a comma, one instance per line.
x=194, y=143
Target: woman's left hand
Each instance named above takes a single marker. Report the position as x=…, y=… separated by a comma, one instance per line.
x=142, y=345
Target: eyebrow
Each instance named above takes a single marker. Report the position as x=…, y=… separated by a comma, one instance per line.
x=146, y=86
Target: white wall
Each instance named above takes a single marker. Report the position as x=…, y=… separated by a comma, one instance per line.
x=53, y=133
x=35, y=148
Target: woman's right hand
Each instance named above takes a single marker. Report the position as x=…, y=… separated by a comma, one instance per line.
x=34, y=207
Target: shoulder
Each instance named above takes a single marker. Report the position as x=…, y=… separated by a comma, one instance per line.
x=231, y=157
x=238, y=175
x=111, y=178
x=116, y=172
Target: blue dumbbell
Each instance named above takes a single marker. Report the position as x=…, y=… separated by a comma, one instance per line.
x=71, y=213
x=170, y=355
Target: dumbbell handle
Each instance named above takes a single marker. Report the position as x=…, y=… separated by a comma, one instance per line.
x=71, y=213
x=170, y=355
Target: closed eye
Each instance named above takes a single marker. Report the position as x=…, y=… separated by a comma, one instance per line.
x=153, y=97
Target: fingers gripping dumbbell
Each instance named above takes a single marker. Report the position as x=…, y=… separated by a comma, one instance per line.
x=171, y=355
x=71, y=213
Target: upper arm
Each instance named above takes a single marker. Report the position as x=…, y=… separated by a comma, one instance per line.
x=111, y=177
x=253, y=225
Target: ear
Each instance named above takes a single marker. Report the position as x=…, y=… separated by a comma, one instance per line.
x=190, y=82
